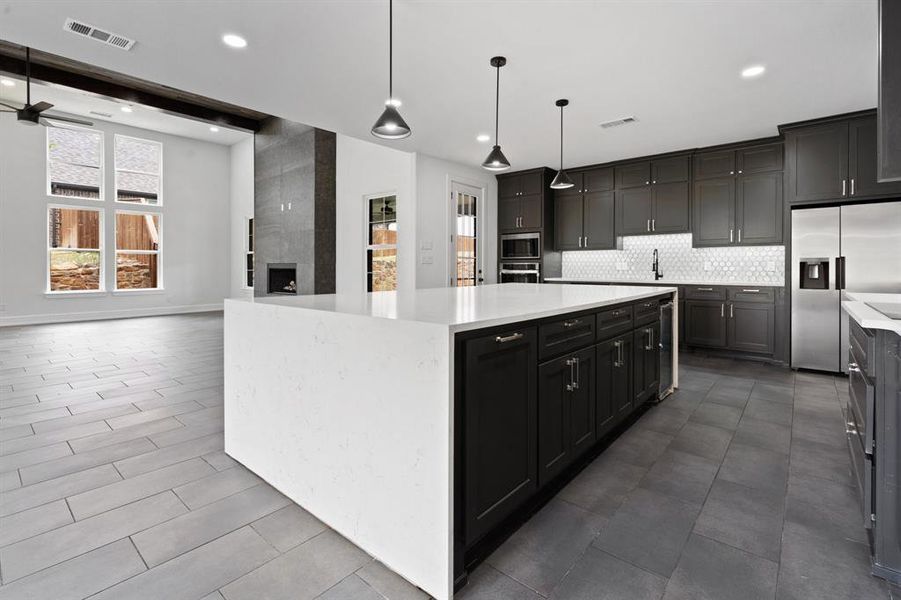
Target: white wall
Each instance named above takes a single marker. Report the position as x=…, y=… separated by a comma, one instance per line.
x=435, y=211
x=364, y=169
x=195, y=229
x=241, y=209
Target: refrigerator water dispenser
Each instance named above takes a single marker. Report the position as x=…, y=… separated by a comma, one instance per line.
x=814, y=274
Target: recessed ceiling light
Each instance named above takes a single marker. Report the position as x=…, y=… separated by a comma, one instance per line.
x=126, y=109
x=7, y=82
x=483, y=137
x=214, y=129
x=753, y=71
x=235, y=41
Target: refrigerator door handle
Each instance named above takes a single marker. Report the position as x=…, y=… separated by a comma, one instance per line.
x=840, y=272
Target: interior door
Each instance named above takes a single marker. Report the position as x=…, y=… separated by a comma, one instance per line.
x=465, y=235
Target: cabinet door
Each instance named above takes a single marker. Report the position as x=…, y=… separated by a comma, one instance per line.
x=708, y=165
x=530, y=208
x=639, y=339
x=818, y=168
x=759, y=159
x=508, y=187
x=531, y=183
x=751, y=327
x=652, y=362
x=582, y=404
x=862, y=161
x=670, y=170
x=607, y=404
x=633, y=175
x=596, y=180
x=508, y=213
x=633, y=211
x=705, y=323
x=758, y=209
x=622, y=377
x=670, y=208
x=555, y=386
x=500, y=398
x=712, y=212
x=598, y=222
x=567, y=221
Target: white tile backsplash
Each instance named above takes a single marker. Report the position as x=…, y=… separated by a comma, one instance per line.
x=679, y=262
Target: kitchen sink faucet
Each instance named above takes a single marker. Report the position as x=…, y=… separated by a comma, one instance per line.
x=656, y=267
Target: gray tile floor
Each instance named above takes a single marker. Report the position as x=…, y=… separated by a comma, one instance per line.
x=114, y=485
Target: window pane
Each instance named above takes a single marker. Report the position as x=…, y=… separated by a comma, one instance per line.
x=74, y=160
x=136, y=271
x=383, y=270
x=383, y=209
x=139, y=188
x=73, y=270
x=383, y=233
x=136, y=231
x=74, y=228
x=138, y=168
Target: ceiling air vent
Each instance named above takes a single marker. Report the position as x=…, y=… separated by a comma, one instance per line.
x=101, y=114
x=617, y=122
x=98, y=35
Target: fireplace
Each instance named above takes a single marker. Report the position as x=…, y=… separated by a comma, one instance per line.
x=282, y=278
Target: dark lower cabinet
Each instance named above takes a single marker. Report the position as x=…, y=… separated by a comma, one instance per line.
x=620, y=383
x=705, y=323
x=501, y=422
x=566, y=411
x=645, y=363
x=612, y=385
x=751, y=327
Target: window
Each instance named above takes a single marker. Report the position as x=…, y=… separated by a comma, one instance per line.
x=381, y=251
x=465, y=234
x=137, y=250
x=73, y=249
x=74, y=162
x=249, y=253
x=138, y=170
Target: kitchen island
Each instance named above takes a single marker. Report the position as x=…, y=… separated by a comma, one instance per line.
x=417, y=424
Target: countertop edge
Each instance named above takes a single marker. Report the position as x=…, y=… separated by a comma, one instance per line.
x=589, y=280
x=870, y=318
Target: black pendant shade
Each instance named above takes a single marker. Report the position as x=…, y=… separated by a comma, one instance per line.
x=496, y=160
x=391, y=126
x=561, y=180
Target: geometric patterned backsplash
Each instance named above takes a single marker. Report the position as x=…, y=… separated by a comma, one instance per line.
x=764, y=265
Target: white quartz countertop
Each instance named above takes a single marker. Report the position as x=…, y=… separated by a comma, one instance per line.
x=467, y=308
x=668, y=282
x=868, y=317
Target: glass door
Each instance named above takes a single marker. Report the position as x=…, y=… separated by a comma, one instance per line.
x=465, y=236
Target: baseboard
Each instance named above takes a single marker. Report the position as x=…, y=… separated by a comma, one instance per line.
x=99, y=315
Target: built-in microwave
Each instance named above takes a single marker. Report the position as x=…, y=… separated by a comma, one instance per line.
x=521, y=246
x=523, y=272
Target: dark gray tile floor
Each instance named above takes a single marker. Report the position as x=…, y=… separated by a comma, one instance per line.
x=114, y=485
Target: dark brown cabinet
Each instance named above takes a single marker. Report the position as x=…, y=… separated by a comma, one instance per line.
x=734, y=318
x=653, y=197
x=738, y=197
x=705, y=323
x=520, y=201
x=833, y=161
x=501, y=423
x=645, y=363
x=583, y=214
x=613, y=384
x=751, y=327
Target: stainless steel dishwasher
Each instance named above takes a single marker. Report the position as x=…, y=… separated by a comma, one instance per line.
x=666, y=350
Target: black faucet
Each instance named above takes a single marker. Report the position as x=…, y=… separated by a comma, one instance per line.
x=656, y=267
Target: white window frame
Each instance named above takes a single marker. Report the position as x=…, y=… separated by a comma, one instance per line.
x=248, y=229
x=101, y=289
x=117, y=170
x=49, y=187
x=160, y=286
x=367, y=246
x=453, y=185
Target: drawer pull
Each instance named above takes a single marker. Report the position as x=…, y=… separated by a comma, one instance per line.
x=751, y=291
x=503, y=339
x=617, y=313
x=705, y=289
x=571, y=323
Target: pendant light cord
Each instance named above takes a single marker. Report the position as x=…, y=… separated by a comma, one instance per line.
x=391, y=51
x=497, y=104
x=561, y=138
x=28, y=76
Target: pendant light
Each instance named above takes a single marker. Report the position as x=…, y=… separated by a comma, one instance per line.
x=561, y=180
x=391, y=126
x=496, y=160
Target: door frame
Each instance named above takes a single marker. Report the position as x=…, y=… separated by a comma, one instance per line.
x=451, y=231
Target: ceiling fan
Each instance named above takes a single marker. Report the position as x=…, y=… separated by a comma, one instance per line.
x=33, y=114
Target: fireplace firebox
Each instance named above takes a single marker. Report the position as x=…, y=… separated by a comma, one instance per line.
x=282, y=278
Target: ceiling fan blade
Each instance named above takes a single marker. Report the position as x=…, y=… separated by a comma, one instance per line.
x=67, y=120
x=40, y=107
x=10, y=106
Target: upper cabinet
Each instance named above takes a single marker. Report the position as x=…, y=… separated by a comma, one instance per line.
x=584, y=213
x=834, y=161
x=520, y=202
x=653, y=196
x=737, y=197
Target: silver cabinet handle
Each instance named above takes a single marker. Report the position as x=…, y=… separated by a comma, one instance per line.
x=618, y=361
x=854, y=369
x=578, y=373
x=705, y=289
x=654, y=222
x=739, y=171
x=647, y=182
x=571, y=323
x=571, y=363
x=580, y=241
x=751, y=291
x=731, y=315
x=503, y=339
x=650, y=333
x=722, y=310
x=730, y=236
x=844, y=181
x=739, y=235
x=852, y=186
x=649, y=224
x=586, y=241
x=731, y=172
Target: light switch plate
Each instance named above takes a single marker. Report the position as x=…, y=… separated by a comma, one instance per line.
x=426, y=259
x=425, y=245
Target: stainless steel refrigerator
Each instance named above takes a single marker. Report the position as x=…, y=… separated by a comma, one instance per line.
x=839, y=249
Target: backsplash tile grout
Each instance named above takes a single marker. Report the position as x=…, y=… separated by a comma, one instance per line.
x=764, y=265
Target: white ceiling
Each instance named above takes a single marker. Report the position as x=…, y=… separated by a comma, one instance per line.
x=77, y=103
x=674, y=65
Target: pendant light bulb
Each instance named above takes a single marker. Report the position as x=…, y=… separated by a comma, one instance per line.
x=390, y=125
x=561, y=180
x=496, y=161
